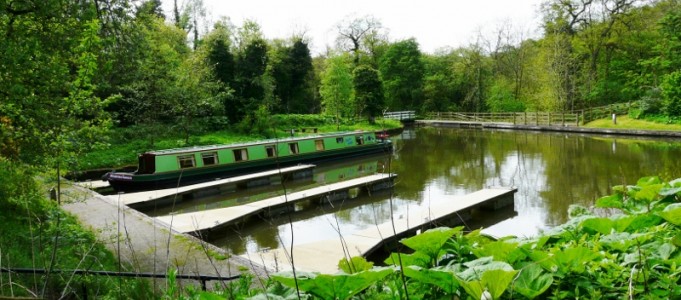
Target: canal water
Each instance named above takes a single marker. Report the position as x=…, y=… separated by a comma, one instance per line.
x=550, y=170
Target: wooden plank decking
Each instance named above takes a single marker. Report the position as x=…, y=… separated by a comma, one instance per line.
x=134, y=198
x=209, y=219
x=323, y=256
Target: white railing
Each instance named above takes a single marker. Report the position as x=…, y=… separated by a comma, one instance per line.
x=400, y=115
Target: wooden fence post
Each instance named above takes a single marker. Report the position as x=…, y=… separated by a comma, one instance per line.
x=536, y=118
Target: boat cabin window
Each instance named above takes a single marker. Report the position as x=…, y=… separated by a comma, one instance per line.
x=271, y=151
x=293, y=147
x=359, y=139
x=319, y=145
x=240, y=154
x=210, y=158
x=186, y=161
x=339, y=140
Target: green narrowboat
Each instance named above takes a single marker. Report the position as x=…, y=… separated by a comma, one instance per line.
x=183, y=166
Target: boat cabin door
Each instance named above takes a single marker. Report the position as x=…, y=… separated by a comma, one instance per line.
x=146, y=164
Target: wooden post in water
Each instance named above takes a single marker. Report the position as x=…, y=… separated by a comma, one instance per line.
x=525, y=117
x=549, y=119
x=513, y=118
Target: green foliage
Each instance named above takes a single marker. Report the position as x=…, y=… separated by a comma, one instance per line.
x=31, y=226
x=368, y=98
x=632, y=255
x=336, y=87
x=292, y=71
x=402, y=71
x=501, y=99
x=354, y=265
x=671, y=94
x=341, y=286
x=532, y=281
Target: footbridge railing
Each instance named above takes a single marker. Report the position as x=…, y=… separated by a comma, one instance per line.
x=515, y=118
x=400, y=115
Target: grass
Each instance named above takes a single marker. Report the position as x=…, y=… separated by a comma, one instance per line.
x=626, y=122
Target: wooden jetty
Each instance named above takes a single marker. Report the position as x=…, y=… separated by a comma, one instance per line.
x=215, y=218
x=259, y=178
x=323, y=256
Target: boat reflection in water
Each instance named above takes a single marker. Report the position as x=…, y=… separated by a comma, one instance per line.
x=311, y=218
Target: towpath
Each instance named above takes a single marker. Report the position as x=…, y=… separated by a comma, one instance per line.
x=146, y=245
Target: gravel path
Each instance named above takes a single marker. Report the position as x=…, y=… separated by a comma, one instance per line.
x=146, y=245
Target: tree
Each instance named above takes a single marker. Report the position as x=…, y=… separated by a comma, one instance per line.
x=368, y=92
x=150, y=8
x=217, y=54
x=147, y=99
x=49, y=109
x=250, y=86
x=402, y=71
x=441, y=90
x=291, y=68
x=195, y=93
x=336, y=87
x=351, y=33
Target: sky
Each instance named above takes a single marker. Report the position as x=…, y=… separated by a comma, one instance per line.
x=434, y=23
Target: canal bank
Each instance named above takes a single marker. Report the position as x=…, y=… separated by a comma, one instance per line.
x=146, y=245
x=552, y=128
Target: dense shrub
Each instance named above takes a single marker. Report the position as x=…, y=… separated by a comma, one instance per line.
x=671, y=94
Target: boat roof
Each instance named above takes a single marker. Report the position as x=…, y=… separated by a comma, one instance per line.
x=247, y=144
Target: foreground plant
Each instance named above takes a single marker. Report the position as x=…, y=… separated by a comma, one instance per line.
x=633, y=253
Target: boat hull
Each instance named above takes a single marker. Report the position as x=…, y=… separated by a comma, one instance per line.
x=131, y=182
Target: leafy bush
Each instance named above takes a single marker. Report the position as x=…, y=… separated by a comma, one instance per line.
x=671, y=94
x=501, y=99
x=651, y=102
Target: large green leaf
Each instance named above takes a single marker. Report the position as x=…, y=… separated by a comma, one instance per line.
x=543, y=259
x=354, y=265
x=668, y=191
x=648, y=193
x=211, y=296
x=497, y=281
x=612, y=201
x=634, y=223
x=476, y=268
x=676, y=240
x=500, y=251
x=622, y=241
x=340, y=286
x=532, y=281
x=574, y=259
x=415, y=259
x=441, y=277
x=494, y=281
x=647, y=181
x=672, y=213
x=600, y=225
x=431, y=241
